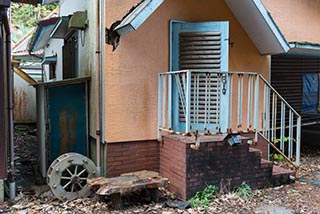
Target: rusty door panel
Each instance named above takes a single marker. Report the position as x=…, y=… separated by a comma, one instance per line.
x=67, y=118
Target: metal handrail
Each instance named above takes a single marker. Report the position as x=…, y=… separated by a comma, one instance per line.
x=269, y=127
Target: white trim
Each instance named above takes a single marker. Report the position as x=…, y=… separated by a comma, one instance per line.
x=138, y=16
x=259, y=25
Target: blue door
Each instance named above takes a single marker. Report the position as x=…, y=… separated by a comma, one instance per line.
x=200, y=46
x=67, y=119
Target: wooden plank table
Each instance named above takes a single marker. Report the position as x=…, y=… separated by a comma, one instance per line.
x=128, y=183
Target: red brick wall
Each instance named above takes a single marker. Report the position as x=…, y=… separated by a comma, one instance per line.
x=191, y=170
x=173, y=164
x=262, y=144
x=132, y=156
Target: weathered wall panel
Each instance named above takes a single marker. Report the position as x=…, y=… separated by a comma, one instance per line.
x=24, y=101
x=286, y=76
x=67, y=119
x=131, y=71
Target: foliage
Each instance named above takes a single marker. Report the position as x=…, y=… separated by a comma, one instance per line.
x=285, y=140
x=244, y=190
x=203, y=198
x=276, y=157
x=279, y=157
x=25, y=17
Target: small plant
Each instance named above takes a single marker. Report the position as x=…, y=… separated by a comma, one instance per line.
x=276, y=157
x=203, y=198
x=285, y=140
x=243, y=191
x=291, y=191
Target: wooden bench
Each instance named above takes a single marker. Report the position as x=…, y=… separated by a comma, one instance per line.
x=128, y=183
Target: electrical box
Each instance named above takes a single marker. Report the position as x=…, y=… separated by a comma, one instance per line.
x=4, y=3
x=233, y=139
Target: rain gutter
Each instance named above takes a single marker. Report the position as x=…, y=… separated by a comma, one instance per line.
x=11, y=175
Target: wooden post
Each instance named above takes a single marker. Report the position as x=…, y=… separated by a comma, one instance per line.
x=154, y=194
x=116, y=201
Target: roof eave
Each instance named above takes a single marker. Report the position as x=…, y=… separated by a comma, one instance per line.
x=138, y=16
x=259, y=26
x=304, y=48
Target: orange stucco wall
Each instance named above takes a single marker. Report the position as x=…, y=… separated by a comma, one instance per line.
x=298, y=20
x=131, y=71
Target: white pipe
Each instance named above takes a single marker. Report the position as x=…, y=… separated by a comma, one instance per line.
x=102, y=60
x=98, y=91
x=12, y=188
x=160, y=110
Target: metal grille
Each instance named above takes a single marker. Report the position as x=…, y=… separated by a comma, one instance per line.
x=201, y=51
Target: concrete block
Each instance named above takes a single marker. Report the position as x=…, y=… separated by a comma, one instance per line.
x=1, y=190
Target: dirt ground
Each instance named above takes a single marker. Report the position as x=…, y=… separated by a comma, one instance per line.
x=303, y=196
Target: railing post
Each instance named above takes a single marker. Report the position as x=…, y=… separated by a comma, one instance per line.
x=169, y=101
x=273, y=117
x=230, y=101
x=240, y=98
x=249, y=108
x=164, y=99
x=298, y=139
x=256, y=107
x=188, y=101
x=159, y=106
x=290, y=134
x=282, y=126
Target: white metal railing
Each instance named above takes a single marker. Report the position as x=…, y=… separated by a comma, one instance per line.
x=211, y=102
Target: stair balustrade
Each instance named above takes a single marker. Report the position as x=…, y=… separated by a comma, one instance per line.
x=207, y=102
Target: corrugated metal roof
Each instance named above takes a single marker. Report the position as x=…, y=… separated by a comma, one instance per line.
x=42, y=34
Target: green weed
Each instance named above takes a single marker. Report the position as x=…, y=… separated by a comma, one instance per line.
x=244, y=190
x=203, y=198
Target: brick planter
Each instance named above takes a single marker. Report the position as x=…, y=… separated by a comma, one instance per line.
x=191, y=170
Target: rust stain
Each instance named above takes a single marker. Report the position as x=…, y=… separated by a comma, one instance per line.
x=20, y=106
x=67, y=125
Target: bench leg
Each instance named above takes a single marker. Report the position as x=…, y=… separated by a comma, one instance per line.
x=116, y=201
x=154, y=194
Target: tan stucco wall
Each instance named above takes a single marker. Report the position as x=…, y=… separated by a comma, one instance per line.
x=131, y=71
x=298, y=20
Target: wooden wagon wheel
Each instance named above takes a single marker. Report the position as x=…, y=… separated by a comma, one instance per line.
x=67, y=176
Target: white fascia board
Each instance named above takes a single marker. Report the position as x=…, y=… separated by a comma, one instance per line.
x=259, y=25
x=138, y=16
x=304, y=48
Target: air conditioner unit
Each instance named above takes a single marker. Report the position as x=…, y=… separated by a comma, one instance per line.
x=78, y=21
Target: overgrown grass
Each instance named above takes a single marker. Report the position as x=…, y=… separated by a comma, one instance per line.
x=203, y=198
x=244, y=190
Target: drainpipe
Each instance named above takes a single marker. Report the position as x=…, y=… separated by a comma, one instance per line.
x=98, y=90
x=102, y=16
x=11, y=176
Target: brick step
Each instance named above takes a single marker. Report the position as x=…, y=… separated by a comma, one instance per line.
x=266, y=163
x=281, y=175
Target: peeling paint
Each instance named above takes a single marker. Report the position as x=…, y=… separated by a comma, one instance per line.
x=67, y=122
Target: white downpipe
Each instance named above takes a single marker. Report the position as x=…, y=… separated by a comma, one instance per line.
x=98, y=90
x=102, y=58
